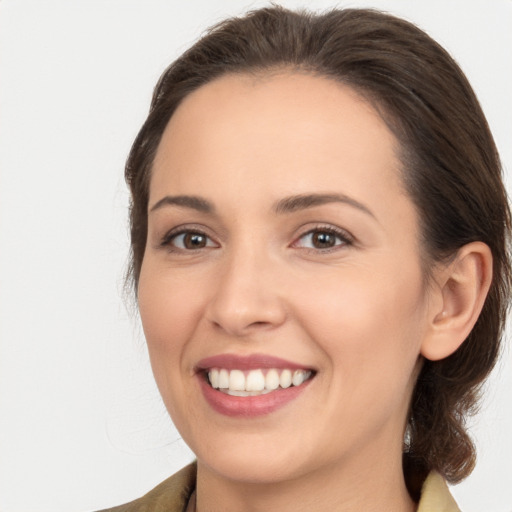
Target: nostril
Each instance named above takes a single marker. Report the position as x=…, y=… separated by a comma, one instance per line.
x=259, y=324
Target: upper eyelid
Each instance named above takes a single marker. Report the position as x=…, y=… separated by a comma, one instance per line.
x=342, y=233
x=305, y=230
x=346, y=241
x=209, y=241
x=183, y=229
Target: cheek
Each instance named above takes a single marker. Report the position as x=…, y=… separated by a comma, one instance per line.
x=369, y=324
x=170, y=312
x=168, y=306
x=370, y=332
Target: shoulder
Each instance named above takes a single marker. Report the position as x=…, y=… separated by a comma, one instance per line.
x=435, y=496
x=170, y=496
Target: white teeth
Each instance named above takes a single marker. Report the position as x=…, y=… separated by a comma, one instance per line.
x=214, y=378
x=223, y=379
x=285, y=380
x=236, y=380
x=255, y=382
x=246, y=393
x=272, y=379
x=299, y=376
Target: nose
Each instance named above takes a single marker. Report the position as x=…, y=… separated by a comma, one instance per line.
x=247, y=298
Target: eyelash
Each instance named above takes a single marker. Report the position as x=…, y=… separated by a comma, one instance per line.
x=183, y=231
x=344, y=237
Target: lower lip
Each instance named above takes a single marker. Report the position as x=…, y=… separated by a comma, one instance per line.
x=249, y=406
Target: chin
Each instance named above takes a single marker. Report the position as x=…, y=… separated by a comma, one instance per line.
x=252, y=470
x=250, y=462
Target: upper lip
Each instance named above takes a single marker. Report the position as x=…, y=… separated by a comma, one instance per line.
x=247, y=362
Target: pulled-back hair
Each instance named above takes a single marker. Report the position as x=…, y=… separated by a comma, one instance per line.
x=450, y=168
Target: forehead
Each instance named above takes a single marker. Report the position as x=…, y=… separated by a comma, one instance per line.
x=291, y=130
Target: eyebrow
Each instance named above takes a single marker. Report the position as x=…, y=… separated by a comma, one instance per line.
x=286, y=205
x=193, y=202
x=303, y=201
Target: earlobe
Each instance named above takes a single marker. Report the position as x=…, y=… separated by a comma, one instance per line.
x=463, y=287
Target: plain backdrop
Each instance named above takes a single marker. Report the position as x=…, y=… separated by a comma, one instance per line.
x=81, y=423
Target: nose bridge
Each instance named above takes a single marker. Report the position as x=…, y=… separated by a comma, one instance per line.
x=246, y=297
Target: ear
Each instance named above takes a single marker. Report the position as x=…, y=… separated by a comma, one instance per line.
x=462, y=287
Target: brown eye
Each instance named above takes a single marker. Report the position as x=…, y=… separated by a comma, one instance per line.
x=191, y=240
x=194, y=241
x=323, y=239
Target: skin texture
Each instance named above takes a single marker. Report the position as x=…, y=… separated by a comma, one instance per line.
x=359, y=313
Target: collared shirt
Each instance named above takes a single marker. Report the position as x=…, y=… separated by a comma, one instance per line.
x=173, y=494
x=435, y=496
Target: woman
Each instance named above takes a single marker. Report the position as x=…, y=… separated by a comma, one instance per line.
x=319, y=251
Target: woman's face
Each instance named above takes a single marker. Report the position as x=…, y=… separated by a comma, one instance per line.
x=282, y=246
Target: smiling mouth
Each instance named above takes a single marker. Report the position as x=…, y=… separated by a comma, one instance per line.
x=255, y=382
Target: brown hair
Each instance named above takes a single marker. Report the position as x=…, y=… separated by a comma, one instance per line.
x=450, y=164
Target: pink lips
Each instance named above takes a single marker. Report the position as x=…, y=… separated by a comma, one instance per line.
x=250, y=362
x=247, y=406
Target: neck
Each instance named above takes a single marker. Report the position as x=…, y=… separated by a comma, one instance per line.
x=343, y=487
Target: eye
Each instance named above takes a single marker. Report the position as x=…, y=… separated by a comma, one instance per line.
x=188, y=240
x=323, y=239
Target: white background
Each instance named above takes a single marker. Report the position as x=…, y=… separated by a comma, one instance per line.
x=81, y=423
